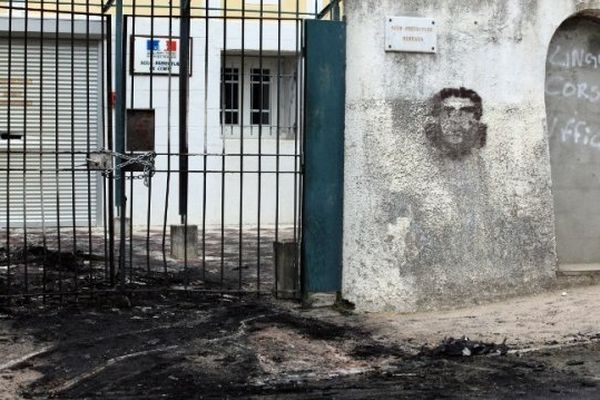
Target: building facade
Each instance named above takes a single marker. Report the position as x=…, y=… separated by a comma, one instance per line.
x=244, y=97
x=471, y=168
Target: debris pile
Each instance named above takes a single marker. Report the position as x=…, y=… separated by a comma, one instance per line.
x=36, y=254
x=465, y=347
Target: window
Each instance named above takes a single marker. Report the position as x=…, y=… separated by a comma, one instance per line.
x=261, y=89
x=259, y=100
x=260, y=96
x=230, y=100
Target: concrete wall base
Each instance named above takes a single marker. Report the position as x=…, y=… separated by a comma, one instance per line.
x=286, y=267
x=179, y=243
x=117, y=225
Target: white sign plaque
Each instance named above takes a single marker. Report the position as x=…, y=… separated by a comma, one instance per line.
x=162, y=52
x=410, y=34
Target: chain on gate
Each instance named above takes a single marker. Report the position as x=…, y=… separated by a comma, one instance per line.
x=103, y=161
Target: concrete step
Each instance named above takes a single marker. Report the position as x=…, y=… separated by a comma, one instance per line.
x=577, y=269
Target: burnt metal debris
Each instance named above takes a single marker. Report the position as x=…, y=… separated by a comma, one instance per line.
x=465, y=347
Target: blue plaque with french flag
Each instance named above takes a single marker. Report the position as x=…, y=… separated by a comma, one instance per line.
x=156, y=55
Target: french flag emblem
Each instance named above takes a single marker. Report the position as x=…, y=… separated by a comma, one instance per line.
x=171, y=45
x=152, y=45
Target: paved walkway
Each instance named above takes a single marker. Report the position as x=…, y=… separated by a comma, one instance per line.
x=556, y=317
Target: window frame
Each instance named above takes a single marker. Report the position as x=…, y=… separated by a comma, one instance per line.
x=245, y=102
x=281, y=112
x=261, y=83
x=234, y=74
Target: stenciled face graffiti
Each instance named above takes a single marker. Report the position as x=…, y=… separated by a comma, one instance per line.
x=457, y=128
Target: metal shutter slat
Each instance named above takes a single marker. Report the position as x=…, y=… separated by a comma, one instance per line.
x=27, y=186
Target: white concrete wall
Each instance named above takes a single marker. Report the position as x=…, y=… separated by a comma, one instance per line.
x=423, y=230
x=206, y=136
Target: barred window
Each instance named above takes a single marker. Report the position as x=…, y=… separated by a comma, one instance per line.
x=260, y=97
x=230, y=99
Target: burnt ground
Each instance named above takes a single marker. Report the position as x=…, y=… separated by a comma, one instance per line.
x=180, y=346
x=41, y=263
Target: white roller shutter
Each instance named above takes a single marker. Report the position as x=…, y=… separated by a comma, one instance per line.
x=69, y=119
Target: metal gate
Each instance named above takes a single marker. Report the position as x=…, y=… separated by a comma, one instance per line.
x=178, y=169
x=222, y=89
x=53, y=81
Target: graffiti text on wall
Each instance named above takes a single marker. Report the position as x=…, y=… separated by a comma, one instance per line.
x=575, y=131
x=573, y=82
x=565, y=85
x=573, y=58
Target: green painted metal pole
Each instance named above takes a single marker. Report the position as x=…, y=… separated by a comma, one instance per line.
x=120, y=132
x=322, y=203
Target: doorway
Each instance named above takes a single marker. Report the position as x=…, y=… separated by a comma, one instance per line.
x=572, y=100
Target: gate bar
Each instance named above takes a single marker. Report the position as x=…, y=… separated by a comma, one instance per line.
x=120, y=132
x=184, y=81
x=184, y=64
x=109, y=139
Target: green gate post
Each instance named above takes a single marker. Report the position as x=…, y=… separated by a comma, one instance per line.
x=322, y=206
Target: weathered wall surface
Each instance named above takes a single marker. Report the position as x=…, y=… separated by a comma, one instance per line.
x=427, y=225
x=572, y=99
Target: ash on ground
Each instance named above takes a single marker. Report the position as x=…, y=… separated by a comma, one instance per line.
x=465, y=347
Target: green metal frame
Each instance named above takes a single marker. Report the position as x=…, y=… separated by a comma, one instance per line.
x=325, y=60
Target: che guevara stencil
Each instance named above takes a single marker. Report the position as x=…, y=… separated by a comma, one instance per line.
x=457, y=128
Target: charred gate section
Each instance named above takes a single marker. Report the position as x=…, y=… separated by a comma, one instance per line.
x=54, y=80
x=223, y=85
x=178, y=169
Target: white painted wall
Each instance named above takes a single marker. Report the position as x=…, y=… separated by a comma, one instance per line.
x=422, y=231
x=205, y=130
